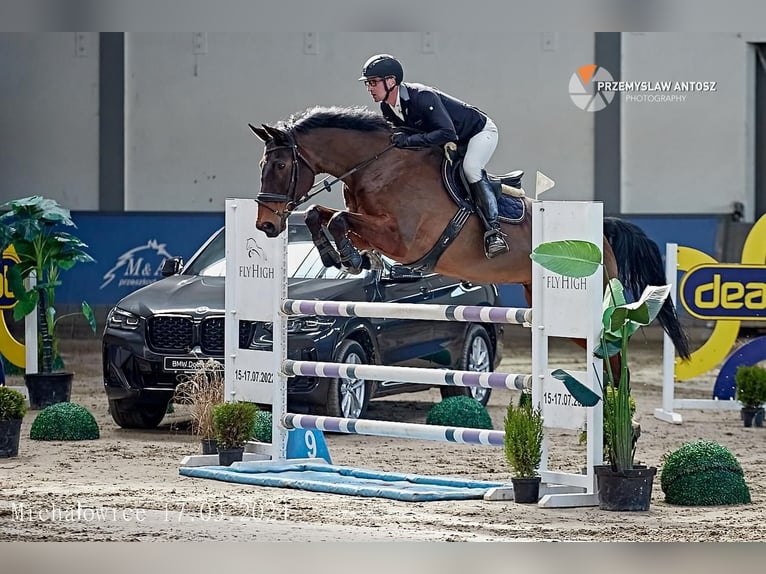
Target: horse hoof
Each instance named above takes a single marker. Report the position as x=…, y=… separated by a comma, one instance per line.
x=371, y=260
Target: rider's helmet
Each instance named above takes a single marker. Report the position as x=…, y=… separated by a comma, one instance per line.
x=382, y=66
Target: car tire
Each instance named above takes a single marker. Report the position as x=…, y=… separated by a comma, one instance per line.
x=136, y=415
x=348, y=398
x=477, y=356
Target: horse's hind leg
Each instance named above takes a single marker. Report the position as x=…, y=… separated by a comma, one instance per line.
x=316, y=221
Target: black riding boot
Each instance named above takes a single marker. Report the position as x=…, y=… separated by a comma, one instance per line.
x=485, y=200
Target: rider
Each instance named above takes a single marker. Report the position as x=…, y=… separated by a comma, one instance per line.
x=439, y=119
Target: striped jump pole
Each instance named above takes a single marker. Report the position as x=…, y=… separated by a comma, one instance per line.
x=395, y=430
x=424, y=311
x=443, y=377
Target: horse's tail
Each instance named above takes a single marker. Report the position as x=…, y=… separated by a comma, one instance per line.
x=639, y=262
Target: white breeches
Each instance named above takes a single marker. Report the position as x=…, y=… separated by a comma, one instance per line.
x=479, y=151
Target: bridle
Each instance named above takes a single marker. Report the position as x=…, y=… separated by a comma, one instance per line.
x=288, y=198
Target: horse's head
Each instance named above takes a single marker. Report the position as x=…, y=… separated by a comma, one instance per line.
x=286, y=177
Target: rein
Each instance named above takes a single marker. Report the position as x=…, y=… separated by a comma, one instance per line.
x=290, y=205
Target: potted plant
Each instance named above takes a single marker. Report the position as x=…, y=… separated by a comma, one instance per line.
x=751, y=392
x=622, y=484
x=523, y=448
x=13, y=407
x=233, y=424
x=32, y=225
x=202, y=390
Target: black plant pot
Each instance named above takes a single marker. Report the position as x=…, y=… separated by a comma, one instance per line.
x=209, y=446
x=46, y=389
x=10, y=433
x=229, y=455
x=627, y=490
x=526, y=490
x=752, y=416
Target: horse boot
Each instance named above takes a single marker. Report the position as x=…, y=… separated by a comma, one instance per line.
x=350, y=257
x=485, y=199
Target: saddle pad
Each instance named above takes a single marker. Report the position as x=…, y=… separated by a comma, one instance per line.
x=511, y=209
x=335, y=479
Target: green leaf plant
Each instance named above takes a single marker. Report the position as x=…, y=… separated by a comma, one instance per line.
x=620, y=320
x=32, y=225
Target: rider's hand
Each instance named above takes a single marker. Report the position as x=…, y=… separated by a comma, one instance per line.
x=400, y=139
x=450, y=151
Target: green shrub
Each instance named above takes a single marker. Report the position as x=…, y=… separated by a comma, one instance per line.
x=233, y=424
x=523, y=439
x=703, y=473
x=459, y=411
x=13, y=405
x=64, y=421
x=751, y=385
x=262, y=426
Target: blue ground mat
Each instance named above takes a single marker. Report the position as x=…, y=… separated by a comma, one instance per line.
x=346, y=480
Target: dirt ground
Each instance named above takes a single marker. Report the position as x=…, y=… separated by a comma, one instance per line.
x=126, y=486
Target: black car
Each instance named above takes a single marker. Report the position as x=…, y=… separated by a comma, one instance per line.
x=169, y=327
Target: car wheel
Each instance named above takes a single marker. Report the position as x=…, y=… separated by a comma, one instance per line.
x=477, y=356
x=137, y=415
x=348, y=398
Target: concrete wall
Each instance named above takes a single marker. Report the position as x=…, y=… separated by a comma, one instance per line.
x=188, y=146
x=49, y=117
x=690, y=156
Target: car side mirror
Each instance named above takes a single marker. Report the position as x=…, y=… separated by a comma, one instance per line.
x=171, y=266
x=402, y=274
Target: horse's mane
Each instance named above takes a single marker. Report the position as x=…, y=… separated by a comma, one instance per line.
x=345, y=118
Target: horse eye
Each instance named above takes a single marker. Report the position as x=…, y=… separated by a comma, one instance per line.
x=281, y=165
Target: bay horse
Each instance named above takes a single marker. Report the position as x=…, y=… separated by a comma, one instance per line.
x=397, y=205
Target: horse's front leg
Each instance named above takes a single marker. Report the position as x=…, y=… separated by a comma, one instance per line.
x=368, y=233
x=316, y=221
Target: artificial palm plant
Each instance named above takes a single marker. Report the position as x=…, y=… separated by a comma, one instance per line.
x=32, y=225
x=620, y=320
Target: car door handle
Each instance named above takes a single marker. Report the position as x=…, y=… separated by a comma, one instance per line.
x=425, y=290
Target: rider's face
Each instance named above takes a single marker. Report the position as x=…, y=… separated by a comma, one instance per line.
x=376, y=87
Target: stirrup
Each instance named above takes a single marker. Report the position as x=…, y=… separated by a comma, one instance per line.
x=495, y=243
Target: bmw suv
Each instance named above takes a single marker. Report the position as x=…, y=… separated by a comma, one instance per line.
x=173, y=325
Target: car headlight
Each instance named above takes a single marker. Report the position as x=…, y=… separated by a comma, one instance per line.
x=308, y=324
x=121, y=319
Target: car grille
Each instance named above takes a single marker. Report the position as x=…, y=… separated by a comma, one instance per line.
x=170, y=333
x=211, y=336
x=181, y=333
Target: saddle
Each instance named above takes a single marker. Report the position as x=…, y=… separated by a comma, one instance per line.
x=510, y=196
x=511, y=205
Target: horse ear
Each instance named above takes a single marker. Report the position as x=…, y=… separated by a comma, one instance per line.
x=275, y=133
x=261, y=133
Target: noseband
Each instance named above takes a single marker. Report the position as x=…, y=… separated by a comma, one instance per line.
x=288, y=198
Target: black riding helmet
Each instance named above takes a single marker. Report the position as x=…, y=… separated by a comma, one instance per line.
x=382, y=66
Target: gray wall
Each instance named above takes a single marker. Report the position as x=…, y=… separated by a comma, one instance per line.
x=49, y=117
x=187, y=145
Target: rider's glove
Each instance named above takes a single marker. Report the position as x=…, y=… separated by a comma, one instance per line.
x=400, y=139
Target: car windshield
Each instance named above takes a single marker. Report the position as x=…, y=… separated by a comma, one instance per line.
x=303, y=261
